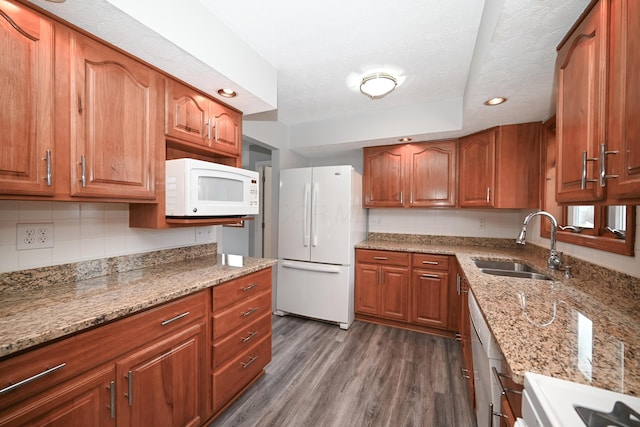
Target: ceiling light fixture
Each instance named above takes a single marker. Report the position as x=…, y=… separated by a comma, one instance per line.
x=405, y=139
x=227, y=93
x=495, y=101
x=377, y=85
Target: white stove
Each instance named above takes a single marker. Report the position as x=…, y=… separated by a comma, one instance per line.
x=551, y=402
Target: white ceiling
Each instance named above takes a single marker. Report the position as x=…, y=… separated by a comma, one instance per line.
x=306, y=59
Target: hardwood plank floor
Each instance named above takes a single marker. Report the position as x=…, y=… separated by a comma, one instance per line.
x=370, y=375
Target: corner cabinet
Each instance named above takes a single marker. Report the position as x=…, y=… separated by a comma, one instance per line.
x=114, y=120
x=410, y=175
x=27, y=113
x=500, y=167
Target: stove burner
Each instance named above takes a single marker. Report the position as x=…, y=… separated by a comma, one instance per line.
x=620, y=416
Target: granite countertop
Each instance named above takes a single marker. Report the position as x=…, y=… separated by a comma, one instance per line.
x=35, y=315
x=583, y=329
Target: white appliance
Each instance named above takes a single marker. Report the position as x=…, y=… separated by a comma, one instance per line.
x=320, y=220
x=552, y=402
x=195, y=188
x=486, y=356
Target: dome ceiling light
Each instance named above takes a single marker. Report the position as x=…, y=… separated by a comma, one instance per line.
x=377, y=85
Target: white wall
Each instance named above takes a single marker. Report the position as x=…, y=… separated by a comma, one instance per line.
x=84, y=231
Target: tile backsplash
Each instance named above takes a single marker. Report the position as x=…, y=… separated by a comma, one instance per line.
x=83, y=231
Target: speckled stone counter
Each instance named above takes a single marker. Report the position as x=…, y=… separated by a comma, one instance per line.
x=34, y=310
x=584, y=329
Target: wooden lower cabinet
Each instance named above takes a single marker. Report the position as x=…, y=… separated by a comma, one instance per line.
x=464, y=336
x=412, y=291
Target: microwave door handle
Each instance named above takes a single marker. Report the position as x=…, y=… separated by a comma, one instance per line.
x=305, y=215
x=314, y=218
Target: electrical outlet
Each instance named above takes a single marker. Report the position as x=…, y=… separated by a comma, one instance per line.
x=483, y=223
x=204, y=234
x=34, y=236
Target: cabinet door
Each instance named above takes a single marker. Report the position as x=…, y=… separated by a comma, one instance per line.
x=383, y=177
x=186, y=113
x=581, y=73
x=84, y=401
x=366, y=289
x=624, y=126
x=432, y=174
x=226, y=130
x=26, y=110
x=430, y=298
x=477, y=169
x=465, y=337
x=113, y=123
x=394, y=292
x=161, y=384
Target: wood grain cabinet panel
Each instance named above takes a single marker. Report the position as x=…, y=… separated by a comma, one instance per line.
x=26, y=110
x=477, y=170
x=432, y=174
x=581, y=106
x=114, y=117
x=383, y=178
x=430, y=298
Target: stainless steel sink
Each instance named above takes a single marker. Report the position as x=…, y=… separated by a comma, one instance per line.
x=509, y=269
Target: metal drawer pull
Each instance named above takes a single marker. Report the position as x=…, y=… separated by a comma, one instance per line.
x=249, y=312
x=251, y=360
x=112, y=396
x=47, y=158
x=33, y=378
x=431, y=262
x=83, y=171
x=458, y=336
x=584, y=180
x=504, y=390
x=251, y=335
x=380, y=258
x=251, y=286
x=458, y=280
x=465, y=374
x=173, y=319
x=129, y=396
x=603, y=166
x=430, y=276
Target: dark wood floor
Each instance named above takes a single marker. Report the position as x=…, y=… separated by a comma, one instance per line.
x=370, y=375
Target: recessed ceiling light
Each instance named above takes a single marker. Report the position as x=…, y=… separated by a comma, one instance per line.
x=227, y=93
x=405, y=139
x=495, y=101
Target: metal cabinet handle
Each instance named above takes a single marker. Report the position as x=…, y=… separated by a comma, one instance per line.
x=458, y=337
x=431, y=262
x=251, y=335
x=216, y=135
x=503, y=390
x=32, y=378
x=129, y=394
x=47, y=159
x=458, y=280
x=173, y=319
x=112, y=398
x=603, y=166
x=465, y=374
x=207, y=127
x=584, y=180
x=430, y=276
x=83, y=171
x=380, y=258
x=488, y=194
x=251, y=286
x=249, y=312
x=251, y=360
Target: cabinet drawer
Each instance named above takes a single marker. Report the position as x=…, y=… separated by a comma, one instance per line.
x=240, y=340
x=431, y=262
x=54, y=363
x=233, y=377
x=383, y=257
x=241, y=289
x=240, y=315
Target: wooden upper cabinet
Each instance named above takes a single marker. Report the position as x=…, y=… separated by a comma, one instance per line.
x=195, y=118
x=477, y=169
x=624, y=104
x=432, y=174
x=114, y=120
x=383, y=178
x=582, y=93
x=26, y=110
x=500, y=167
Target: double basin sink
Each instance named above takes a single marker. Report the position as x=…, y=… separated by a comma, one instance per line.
x=509, y=269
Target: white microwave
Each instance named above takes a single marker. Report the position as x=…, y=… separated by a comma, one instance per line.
x=195, y=188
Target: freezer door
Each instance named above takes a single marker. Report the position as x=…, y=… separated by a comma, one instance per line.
x=294, y=236
x=330, y=215
x=319, y=291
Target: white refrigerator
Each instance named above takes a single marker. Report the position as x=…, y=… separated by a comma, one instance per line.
x=320, y=220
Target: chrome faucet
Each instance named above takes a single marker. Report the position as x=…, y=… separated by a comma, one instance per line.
x=555, y=258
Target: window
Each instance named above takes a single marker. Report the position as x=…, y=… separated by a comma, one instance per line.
x=607, y=228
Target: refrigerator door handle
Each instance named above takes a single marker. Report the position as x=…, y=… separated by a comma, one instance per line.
x=311, y=267
x=305, y=214
x=314, y=218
